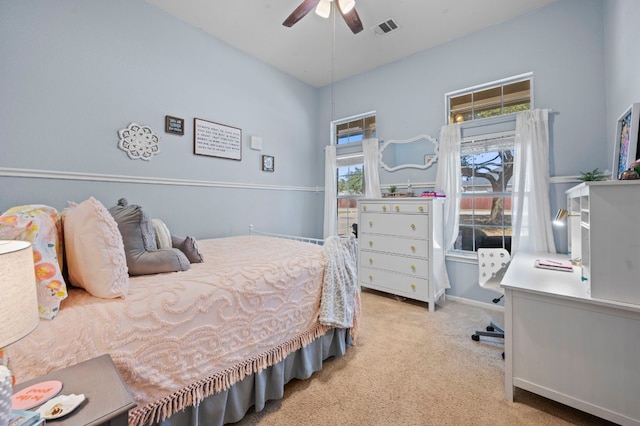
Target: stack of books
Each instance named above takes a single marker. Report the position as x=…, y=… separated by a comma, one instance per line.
x=432, y=194
x=25, y=418
x=556, y=265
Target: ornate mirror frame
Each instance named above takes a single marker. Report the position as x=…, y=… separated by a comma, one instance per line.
x=429, y=160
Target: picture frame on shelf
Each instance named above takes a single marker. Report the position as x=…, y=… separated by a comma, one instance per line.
x=626, y=140
x=268, y=163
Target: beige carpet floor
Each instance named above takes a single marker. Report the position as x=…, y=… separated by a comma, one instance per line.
x=413, y=367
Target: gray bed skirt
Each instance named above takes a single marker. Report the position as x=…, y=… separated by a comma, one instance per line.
x=254, y=391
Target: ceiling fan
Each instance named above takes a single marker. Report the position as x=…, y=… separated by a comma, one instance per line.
x=323, y=8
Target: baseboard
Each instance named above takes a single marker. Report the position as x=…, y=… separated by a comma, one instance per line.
x=472, y=302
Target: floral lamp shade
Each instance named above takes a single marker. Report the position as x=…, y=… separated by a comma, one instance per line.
x=18, y=295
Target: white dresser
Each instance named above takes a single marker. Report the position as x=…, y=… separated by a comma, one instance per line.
x=400, y=247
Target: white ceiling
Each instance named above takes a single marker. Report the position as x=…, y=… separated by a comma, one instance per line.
x=305, y=52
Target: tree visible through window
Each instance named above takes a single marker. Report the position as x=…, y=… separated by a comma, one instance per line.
x=350, y=188
x=487, y=154
x=485, y=205
x=349, y=134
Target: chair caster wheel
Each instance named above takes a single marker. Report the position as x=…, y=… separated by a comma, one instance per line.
x=490, y=328
x=475, y=337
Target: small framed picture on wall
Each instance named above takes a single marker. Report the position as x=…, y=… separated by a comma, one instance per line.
x=173, y=125
x=268, y=163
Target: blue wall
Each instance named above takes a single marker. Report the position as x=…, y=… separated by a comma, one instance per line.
x=74, y=72
x=562, y=44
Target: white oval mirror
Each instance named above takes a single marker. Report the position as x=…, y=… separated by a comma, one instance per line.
x=419, y=152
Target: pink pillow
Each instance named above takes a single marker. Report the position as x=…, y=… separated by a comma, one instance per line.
x=40, y=225
x=94, y=250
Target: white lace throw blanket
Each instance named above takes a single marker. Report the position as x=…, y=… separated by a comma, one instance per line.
x=340, y=304
x=182, y=336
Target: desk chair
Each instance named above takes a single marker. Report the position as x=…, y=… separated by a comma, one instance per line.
x=492, y=265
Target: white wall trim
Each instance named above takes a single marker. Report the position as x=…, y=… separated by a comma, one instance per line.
x=491, y=306
x=565, y=179
x=552, y=180
x=53, y=174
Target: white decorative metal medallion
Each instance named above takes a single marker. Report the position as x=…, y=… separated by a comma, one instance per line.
x=139, y=142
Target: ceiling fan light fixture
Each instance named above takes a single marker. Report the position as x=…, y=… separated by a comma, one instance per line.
x=346, y=5
x=323, y=9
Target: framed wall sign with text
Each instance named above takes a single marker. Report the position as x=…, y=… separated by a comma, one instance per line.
x=173, y=125
x=216, y=140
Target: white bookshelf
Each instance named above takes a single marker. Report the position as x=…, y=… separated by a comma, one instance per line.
x=604, y=233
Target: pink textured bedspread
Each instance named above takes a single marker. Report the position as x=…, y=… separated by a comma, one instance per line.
x=179, y=337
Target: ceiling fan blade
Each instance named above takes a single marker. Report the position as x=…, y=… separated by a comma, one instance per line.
x=352, y=19
x=305, y=7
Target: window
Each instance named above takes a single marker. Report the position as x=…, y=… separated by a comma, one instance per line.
x=487, y=118
x=485, y=203
x=348, y=134
x=491, y=99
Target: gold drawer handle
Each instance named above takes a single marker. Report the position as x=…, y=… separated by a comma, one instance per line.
x=413, y=226
x=370, y=261
x=413, y=287
x=413, y=267
x=397, y=208
x=364, y=208
x=413, y=248
x=370, y=223
x=384, y=208
x=370, y=277
x=421, y=208
x=370, y=243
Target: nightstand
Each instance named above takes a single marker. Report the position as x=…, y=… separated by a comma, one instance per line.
x=108, y=399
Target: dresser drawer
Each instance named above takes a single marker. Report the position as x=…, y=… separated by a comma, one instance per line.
x=391, y=262
x=414, y=226
x=410, y=208
x=375, y=207
x=390, y=244
x=403, y=285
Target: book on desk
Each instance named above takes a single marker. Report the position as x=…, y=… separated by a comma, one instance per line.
x=556, y=265
x=25, y=418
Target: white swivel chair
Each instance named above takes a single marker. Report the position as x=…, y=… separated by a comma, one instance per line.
x=492, y=264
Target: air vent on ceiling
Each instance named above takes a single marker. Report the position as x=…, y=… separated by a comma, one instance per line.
x=385, y=27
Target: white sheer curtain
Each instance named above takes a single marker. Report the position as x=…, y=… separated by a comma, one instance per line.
x=448, y=180
x=531, y=217
x=330, y=187
x=370, y=150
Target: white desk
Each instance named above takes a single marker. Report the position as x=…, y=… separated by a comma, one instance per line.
x=564, y=345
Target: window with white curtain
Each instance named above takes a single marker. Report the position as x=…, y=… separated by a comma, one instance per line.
x=487, y=116
x=348, y=134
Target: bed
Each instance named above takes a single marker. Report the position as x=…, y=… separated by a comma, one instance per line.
x=206, y=344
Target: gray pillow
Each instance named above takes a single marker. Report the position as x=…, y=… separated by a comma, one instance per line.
x=141, y=250
x=189, y=247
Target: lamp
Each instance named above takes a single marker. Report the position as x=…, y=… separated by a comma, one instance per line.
x=323, y=9
x=561, y=215
x=18, y=307
x=346, y=5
